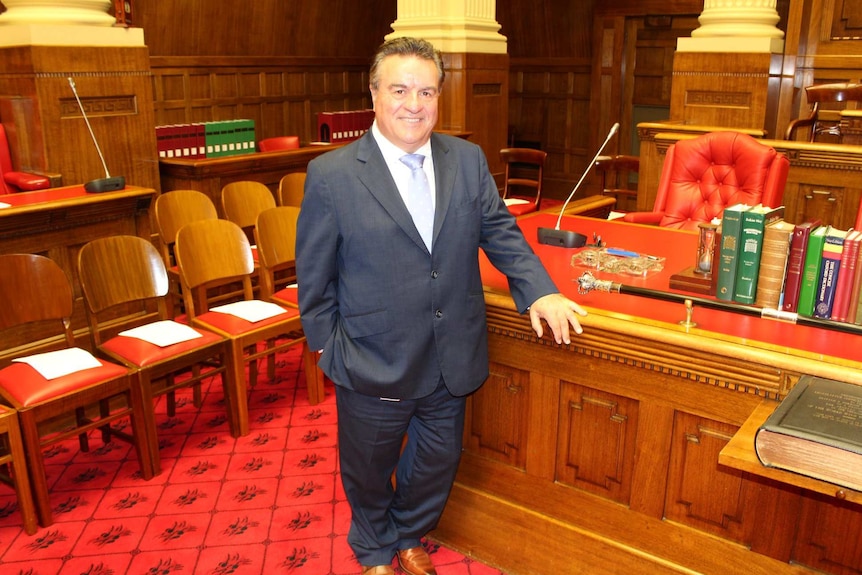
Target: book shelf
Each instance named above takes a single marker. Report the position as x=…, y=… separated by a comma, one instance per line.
x=739, y=454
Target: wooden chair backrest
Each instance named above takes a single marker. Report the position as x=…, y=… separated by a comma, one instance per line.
x=526, y=157
x=275, y=235
x=212, y=253
x=34, y=289
x=243, y=201
x=120, y=270
x=291, y=189
x=175, y=209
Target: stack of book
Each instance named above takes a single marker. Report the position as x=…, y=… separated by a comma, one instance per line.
x=806, y=268
x=343, y=126
x=206, y=139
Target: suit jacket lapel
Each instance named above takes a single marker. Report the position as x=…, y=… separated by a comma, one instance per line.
x=374, y=175
x=445, y=169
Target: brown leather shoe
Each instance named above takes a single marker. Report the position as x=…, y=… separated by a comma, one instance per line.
x=378, y=570
x=415, y=561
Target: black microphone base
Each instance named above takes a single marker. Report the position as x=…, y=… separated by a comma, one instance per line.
x=105, y=184
x=561, y=238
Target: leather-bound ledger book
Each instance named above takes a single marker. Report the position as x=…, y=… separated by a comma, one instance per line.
x=795, y=263
x=754, y=222
x=773, y=264
x=728, y=253
x=815, y=431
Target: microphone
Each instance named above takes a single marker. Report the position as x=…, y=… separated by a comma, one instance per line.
x=562, y=238
x=108, y=183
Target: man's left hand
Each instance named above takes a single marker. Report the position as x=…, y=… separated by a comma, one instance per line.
x=559, y=312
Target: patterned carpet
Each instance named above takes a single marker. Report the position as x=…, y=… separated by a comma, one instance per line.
x=270, y=502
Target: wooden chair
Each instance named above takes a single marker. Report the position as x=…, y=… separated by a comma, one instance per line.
x=212, y=252
x=275, y=234
x=141, y=284
x=520, y=159
x=814, y=124
x=614, y=171
x=278, y=143
x=243, y=201
x=291, y=189
x=172, y=210
x=12, y=456
x=93, y=398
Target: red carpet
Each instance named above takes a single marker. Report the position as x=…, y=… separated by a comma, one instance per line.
x=270, y=502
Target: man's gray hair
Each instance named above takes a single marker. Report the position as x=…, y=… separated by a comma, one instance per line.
x=406, y=47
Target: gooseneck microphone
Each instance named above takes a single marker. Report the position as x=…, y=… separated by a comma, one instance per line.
x=108, y=183
x=566, y=239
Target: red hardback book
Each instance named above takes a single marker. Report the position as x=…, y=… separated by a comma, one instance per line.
x=853, y=314
x=795, y=263
x=846, y=275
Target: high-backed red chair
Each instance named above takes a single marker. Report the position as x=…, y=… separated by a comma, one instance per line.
x=702, y=175
x=14, y=181
x=278, y=143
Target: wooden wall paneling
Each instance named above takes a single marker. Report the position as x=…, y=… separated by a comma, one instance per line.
x=282, y=95
x=114, y=87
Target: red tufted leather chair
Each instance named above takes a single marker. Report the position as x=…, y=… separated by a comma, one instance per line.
x=12, y=181
x=703, y=175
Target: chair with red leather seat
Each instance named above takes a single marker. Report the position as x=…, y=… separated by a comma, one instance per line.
x=278, y=143
x=515, y=183
x=11, y=180
x=815, y=125
x=703, y=175
x=54, y=407
x=159, y=368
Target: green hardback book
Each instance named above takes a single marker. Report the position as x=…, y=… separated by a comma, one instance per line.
x=754, y=222
x=731, y=224
x=814, y=431
x=811, y=272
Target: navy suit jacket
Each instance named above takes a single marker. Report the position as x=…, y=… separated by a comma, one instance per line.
x=391, y=317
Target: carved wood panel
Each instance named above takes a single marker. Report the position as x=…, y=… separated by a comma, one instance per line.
x=817, y=549
x=596, y=444
x=496, y=419
x=700, y=493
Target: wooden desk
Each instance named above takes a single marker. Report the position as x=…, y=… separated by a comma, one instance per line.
x=58, y=221
x=603, y=456
x=210, y=175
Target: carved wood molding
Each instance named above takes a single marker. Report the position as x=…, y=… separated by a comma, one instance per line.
x=712, y=359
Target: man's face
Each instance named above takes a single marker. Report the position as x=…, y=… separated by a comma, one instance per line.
x=405, y=102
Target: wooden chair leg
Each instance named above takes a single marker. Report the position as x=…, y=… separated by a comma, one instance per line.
x=36, y=465
x=18, y=472
x=313, y=375
x=236, y=390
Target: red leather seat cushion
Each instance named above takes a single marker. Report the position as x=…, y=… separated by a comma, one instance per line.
x=142, y=353
x=233, y=325
x=288, y=294
x=29, y=388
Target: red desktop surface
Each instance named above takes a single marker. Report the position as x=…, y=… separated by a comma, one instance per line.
x=679, y=248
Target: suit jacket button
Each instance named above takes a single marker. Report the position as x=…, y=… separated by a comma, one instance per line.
x=438, y=314
x=434, y=274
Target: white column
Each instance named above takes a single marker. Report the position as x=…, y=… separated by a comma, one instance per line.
x=453, y=26
x=64, y=23
x=736, y=26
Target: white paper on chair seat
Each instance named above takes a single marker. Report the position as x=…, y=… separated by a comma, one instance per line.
x=5, y=205
x=54, y=364
x=162, y=333
x=515, y=201
x=251, y=310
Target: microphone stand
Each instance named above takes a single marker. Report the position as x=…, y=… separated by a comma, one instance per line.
x=566, y=239
x=108, y=183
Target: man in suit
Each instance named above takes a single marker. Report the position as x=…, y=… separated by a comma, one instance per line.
x=400, y=319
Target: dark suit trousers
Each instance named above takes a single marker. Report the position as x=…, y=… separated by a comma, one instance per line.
x=370, y=433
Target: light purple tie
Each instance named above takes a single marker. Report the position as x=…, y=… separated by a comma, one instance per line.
x=419, y=197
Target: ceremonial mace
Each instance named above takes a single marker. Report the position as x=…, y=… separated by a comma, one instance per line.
x=588, y=282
